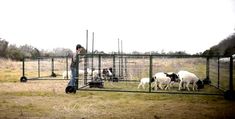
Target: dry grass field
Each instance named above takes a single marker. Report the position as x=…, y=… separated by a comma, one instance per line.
x=10, y=71
x=46, y=99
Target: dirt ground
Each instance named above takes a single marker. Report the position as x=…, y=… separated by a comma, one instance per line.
x=46, y=99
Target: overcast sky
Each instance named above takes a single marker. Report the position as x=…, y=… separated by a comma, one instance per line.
x=142, y=25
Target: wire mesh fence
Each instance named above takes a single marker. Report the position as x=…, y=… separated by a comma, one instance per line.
x=127, y=71
x=45, y=68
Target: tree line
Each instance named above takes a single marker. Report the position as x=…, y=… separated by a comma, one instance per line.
x=11, y=51
x=162, y=53
x=225, y=48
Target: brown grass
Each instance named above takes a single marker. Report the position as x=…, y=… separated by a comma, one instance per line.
x=46, y=99
x=9, y=70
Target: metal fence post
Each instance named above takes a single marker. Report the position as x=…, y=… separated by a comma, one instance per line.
x=121, y=66
x=99, y=66
x=126, y=68
x=114, y=66
x=23, y=67
x=231, y=74
x=118, y=59
x=218, y=83
x=85, y=69
x=23, y=78
x=52, y=68
x=207, y=68
x=92, y=56
x=38, y=67
x=150, y=72
x=67, y=68
x=92, y=65
x=77, y=70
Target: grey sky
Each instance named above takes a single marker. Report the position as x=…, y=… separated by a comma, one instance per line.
x=143, y=25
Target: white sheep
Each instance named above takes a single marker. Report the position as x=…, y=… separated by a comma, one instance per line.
x=187, y=77
x=161, y=78
x=95, y=73
x=144, y=81
x=64, y=75
x=81, y=72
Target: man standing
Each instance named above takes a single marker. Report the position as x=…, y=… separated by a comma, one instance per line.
x=71, y=85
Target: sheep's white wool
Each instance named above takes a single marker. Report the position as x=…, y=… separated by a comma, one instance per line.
x=81, y=72
x=161, y=78
x=143, y=81
x=187, y=77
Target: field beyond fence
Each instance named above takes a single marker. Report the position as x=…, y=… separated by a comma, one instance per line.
x=47, y=99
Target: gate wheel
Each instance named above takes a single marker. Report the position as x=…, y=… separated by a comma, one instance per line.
x=23, y=79
x=70, y=89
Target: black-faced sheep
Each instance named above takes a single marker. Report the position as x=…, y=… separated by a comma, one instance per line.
x=188, y=77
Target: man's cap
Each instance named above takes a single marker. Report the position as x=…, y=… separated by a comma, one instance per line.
x=78, y=46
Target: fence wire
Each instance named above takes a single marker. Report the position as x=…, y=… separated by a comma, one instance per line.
x=130, y=69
